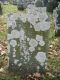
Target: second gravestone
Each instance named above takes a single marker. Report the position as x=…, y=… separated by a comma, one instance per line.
x=28, y=41
x=57, y=20
x=0, y=8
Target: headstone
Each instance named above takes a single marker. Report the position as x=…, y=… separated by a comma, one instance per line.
x=0, y=9
x=52, y=4
x=57, y=20
x=28, y=41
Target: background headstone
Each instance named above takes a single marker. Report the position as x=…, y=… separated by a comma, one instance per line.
x=57, y=20
x=52, y=4
x=28, y=41
x=4, y=1
x=0, y=8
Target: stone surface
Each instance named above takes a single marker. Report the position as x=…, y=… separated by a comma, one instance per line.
x=28, y=40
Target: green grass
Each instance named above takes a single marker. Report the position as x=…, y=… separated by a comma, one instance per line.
x=3, y=22
x=9, y=8
x=10, y=78
x=2, y=35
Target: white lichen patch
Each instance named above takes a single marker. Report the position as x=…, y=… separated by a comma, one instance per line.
x=28, y=39
x=22, y=34
x=8, y=47
x=41, y=43
x=45, y=17
x=33, y=43
x=44, y=26
x=25, y=58
x=15, y=33
x=26, y=52
x=11, y=17
x=13, y=43
x=31, y=19
x=14, y=25
x=31, y=49
x=14, y=55
x=16, y=61
x=14, y=50
x=19, y=64
x=41, y=57
x=37, y=27
x=9, y=36
x=39, y=38
x=9, y=23
x=23, y=17
x=31, y=26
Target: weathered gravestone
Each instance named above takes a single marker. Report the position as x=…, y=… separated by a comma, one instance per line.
x=57, y=20
x=52, y=4
x=28, y=41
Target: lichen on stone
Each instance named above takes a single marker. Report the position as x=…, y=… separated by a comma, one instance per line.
x=13, y=43
x=41, y=57
x=33, y=43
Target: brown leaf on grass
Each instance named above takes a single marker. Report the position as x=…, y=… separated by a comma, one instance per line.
x=37, y=75
x=51, y=53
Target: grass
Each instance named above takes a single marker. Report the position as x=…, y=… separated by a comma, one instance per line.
x=9, y=8
x=3, y=18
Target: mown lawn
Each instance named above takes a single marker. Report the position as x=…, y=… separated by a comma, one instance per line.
x=6, y=9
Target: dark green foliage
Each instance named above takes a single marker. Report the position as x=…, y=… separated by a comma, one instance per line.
x=0, y=9
x=52, y=5
x=21, y=7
